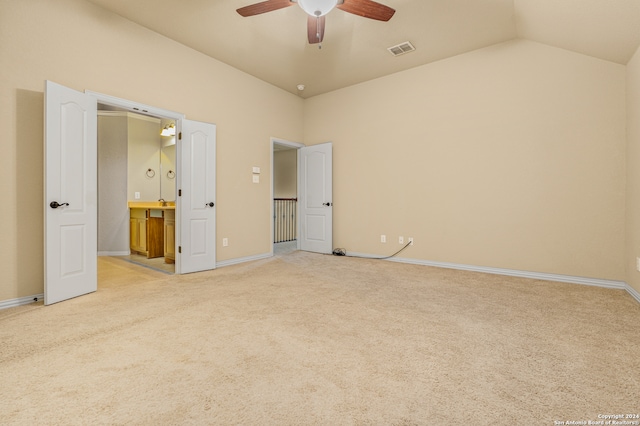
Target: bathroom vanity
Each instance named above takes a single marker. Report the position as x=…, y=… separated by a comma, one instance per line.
x=152, y=229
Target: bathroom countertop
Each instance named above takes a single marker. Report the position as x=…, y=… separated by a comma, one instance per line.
x=169, y=205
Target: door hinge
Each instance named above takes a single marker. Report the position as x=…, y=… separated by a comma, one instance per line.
x=180, y=136
x=179, y=249
x=179, y=192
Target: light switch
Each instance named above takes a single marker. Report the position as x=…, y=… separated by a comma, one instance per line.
x=256, y=170
x=256, y=178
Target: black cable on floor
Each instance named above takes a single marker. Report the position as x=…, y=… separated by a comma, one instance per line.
x=372, y=257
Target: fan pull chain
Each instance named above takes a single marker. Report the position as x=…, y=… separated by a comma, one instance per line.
x=318, y=32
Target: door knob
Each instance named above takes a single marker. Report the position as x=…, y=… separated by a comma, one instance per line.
x=327, y=204
x=55, y=204
x=209, y=204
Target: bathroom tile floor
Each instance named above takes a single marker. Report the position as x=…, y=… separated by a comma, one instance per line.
x=155, y=263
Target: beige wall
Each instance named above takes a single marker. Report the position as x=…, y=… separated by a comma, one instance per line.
x=285, y=166
x=113, y=213
x=144, y=145
x=79, y=45
x=511, y=156
x=633, y=170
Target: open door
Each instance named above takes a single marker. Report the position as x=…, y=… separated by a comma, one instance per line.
x=196, y=209
x=70, y=194
x=315, y=168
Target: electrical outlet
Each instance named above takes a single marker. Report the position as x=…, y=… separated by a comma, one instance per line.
x=225, y=242
x=383, y=238
x=400, y=240
x=136, y=195
x=410, y=241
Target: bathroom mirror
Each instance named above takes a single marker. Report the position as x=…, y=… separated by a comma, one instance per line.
x=150, y=171
x=168, y=172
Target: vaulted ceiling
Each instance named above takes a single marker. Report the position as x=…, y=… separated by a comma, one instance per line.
x=273, y=46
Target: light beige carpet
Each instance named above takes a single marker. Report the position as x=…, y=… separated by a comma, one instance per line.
x=310, y=339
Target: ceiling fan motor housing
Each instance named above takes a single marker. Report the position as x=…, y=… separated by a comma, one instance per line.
x=317, y=7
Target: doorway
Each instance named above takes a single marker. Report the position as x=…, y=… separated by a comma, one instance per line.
x=71, y=189
x=314, y=195
x=136, y=170
x=195, y=183
x=284, y=196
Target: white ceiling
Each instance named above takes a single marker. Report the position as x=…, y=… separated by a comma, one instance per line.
x=273, y=46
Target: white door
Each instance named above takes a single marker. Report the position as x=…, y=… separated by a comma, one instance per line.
x=196, y=209
x=316, y=198
x=70, y=194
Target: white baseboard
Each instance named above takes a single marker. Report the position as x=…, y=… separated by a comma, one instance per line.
x=235, y=261
x=12, y=303
x=633, y=292
x=114, y=253
x=620, y=285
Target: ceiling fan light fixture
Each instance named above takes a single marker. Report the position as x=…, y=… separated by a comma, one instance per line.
x=317, y=8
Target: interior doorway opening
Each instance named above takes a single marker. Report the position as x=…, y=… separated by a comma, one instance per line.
x=137, y=171
x=284, y=191
x=71, y=191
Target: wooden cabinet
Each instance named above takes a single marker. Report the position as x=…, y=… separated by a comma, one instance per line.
x=155, y=233
x=169, y=236
x=152, y=232
x=138, y=231
x=146, y=232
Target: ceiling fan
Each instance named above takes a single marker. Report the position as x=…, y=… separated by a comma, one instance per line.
x=317, y=9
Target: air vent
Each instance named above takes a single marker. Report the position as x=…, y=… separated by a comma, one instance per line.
x=401, y=49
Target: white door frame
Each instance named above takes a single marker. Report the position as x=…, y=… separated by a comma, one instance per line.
x=294, y=145
x=139, y=108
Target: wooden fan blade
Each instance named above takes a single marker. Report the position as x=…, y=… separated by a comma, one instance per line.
x=263, y=7
x=368, y=9
x=315, y=29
